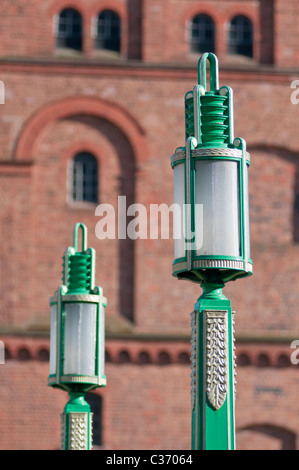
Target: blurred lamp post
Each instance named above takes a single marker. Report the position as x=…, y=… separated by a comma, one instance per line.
x=211, y=247
x=77, y=348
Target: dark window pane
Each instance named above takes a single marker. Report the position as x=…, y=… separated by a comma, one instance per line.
x=240, y=38
x=202, y=34
x=85, y=178
x=108, y=31
x=69, y=29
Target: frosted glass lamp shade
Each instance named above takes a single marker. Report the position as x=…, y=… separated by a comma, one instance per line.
x=102, y=341
x=53, y=340
x=80, y=339
x=178, y=213
x=246, y=214
x=211, y=226
x=77, y=333
x=217, y=190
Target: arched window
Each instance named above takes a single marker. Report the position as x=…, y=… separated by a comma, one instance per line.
x=107, y=31
x=85, y=177
x=240, y=36
x=95, y=403
x=202, y=34
x=69, y=29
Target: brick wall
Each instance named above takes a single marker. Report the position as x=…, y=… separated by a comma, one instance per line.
x=157, y=414
x=173, y=33
x=153, y=30
x=135, y=162
x=131, y=117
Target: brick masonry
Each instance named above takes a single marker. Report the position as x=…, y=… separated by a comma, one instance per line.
x=129, y=113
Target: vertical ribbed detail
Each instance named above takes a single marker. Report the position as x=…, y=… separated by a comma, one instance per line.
x=193, y=358
x=214, y=119
x=76, y=272
x=189, y=116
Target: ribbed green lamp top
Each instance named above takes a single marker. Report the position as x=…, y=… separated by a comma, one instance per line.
x=78, y=266
x=208, y=109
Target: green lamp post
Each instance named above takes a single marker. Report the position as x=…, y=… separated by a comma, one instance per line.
x=77, y=348
x=212, y=213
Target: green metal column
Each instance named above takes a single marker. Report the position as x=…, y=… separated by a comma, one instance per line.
x=77, y=351
x=211, y=185
x=76, y=424
x=212, y=371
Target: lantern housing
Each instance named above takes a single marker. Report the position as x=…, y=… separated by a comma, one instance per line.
x=77, y=323
x=211, y=215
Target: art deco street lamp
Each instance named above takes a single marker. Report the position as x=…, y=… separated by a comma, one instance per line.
x=77, y=341
x=211, y=204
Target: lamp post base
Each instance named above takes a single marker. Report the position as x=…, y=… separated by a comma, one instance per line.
x=76, y=424
x=213, y=366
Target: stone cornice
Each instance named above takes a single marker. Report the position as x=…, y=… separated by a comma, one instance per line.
x=150, y=349
x=89, y=67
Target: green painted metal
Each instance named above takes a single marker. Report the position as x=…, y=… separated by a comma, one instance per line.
x=76, y=424
x=78, y=265
x=213, y=366
x=209, y=135
x=214, y=73
x=78, y=286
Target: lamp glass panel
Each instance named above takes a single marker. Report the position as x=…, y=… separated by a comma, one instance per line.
x=53, y=339
x=178, y=213
x=80, y=338
x=217, y=190
x=102, y=340
x=247, y=222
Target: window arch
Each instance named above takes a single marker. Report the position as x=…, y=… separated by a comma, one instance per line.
x=69, y=29
x=202, y=34
x=106, y=31
x=258, y=432
x=84, y=177
x=240, y=36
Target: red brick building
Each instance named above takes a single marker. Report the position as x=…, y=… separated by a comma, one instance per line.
x=105, y=80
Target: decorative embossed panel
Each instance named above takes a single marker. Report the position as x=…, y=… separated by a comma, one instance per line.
x=193, y=357
x=78, y=431
x=216, y=356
